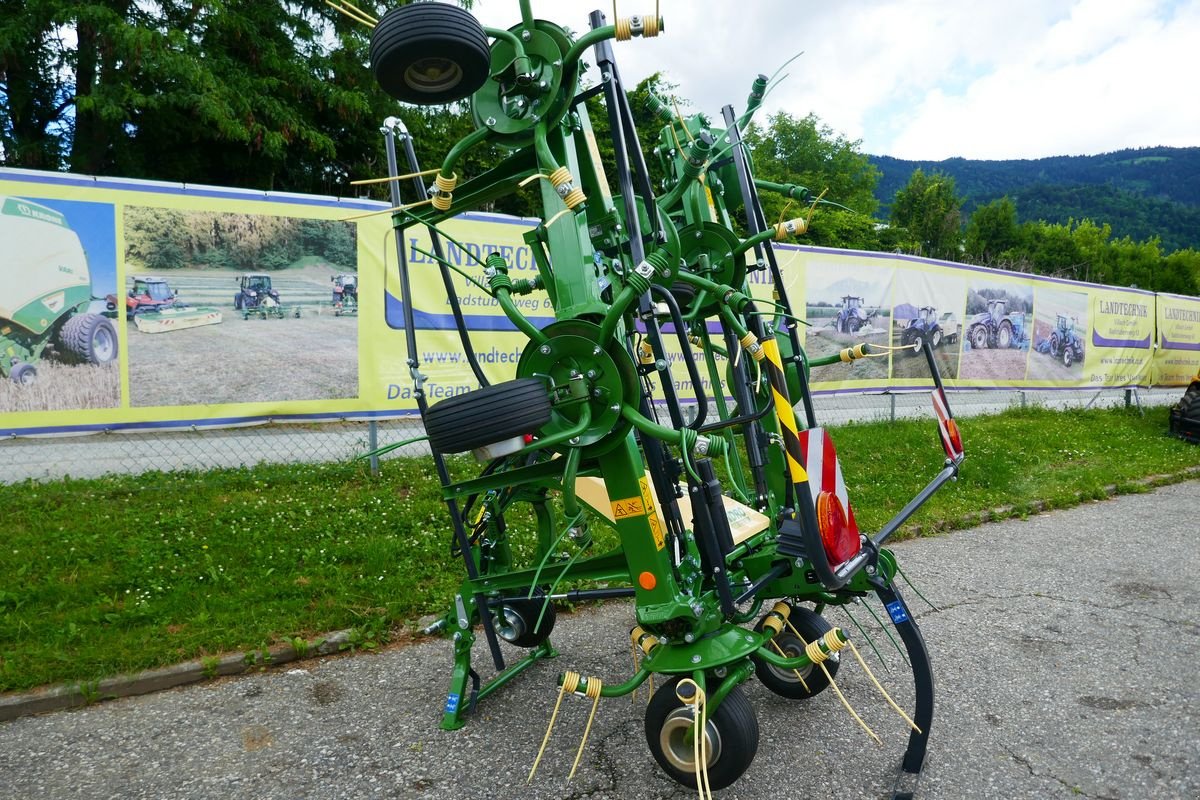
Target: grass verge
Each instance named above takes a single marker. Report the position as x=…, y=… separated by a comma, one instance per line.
x=104, y=576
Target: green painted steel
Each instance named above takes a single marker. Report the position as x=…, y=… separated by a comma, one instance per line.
x=626, y=267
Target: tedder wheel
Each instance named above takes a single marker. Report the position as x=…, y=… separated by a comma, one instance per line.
x=23, y=374
x=90, y=338
x=517, y=621
x=784, y=682
x=430, y=53
x=732, y=734
x=487, y=416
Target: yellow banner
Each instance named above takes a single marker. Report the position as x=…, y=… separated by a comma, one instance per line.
x=1177, y=359
x=127, y=304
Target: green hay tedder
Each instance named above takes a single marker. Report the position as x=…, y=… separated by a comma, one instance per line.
x=729, y=576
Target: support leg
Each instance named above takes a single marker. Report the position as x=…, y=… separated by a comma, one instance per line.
x=922, y=668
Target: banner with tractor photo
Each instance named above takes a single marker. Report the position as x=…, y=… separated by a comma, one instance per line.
x=131, y=305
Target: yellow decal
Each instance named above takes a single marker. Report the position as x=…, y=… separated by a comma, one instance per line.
x=629, y=507
x=656, y=530
x=655, y=523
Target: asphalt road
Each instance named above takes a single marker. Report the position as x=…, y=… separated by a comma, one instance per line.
x=1066, y=649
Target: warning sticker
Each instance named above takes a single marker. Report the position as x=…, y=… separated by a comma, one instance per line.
x=629, y=507
x=655, y=524
x=656, y=529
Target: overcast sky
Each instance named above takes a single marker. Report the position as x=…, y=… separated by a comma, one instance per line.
x=931, y=79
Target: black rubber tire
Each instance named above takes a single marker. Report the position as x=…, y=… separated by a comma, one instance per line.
x=90, y=338
x=486, y=416
x=812, y=626
x=1054, y=345
x=426, y=31
x=854, y=324
x=1185, y=415
x=237, y=302
x=1068, y=356
x=978, y=337
x=526, y=610
x=23, y=374
x=733, y=729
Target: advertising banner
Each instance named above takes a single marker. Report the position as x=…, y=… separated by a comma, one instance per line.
x=1177, y=358
x=133, y=305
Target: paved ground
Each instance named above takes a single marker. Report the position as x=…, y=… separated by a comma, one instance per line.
x=1066, y=647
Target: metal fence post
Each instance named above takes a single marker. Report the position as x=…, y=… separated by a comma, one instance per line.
x=892, y=398
x=1128, y=397
x=373, y=445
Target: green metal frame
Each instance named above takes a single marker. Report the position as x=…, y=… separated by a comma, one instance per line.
x=606, y=263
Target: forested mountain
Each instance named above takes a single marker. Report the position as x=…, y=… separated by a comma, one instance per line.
x=1142, y=193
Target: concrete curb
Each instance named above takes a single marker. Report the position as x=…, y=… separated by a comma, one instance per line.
x=75, y=695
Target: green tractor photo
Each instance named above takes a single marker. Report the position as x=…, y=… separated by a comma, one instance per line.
x=46, y=299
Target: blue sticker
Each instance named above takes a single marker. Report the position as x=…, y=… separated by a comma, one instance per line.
x=897, y=612
x=452, y=703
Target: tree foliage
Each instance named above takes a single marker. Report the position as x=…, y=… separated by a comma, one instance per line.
x=931, y=210
x=231, y=92
x=164, y=238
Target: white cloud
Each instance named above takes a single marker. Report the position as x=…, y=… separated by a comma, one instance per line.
x=930, y=78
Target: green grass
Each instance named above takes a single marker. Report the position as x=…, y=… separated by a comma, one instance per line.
x=99, y=577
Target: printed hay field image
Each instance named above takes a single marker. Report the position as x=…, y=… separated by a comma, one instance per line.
x=844, y=311
x=1059, y=329
x=927, y=309
x=997, y=331
x=239, y=308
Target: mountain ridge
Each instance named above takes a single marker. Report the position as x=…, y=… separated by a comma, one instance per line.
x=1142, y=192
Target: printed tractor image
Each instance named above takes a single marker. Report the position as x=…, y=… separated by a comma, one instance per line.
x=155, y=308
x=1065, y=342
x=345, y=294
x=925, y=327
x=995, y=328
x=256, y=297
x=1185, y=415
x=46, y=293
x=595, y=484
x=852, y=316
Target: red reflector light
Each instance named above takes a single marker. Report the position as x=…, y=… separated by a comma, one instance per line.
x=837, y=535
x=528, y=438
x=955, y=436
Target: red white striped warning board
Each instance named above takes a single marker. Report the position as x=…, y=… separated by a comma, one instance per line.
x=825, y=471
x=947, y=427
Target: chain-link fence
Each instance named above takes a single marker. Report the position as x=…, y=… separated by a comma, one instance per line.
x=88, y=456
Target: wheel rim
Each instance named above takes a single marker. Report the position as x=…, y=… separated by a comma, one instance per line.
x=1005, y=338
x=937, y=338
x=103, y=344
x=433, y=74
x=510, y=625
x=677, y=747
x=791, y=650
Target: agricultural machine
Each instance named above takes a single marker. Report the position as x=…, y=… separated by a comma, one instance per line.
x=155, y=308
x=996, y=328
x=851, y=317
x=729, y=576
x=345, y=294
x=1065, y=342
x=256, y=297
x=46, y=293
x=1185, y=415
x=925, y=327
